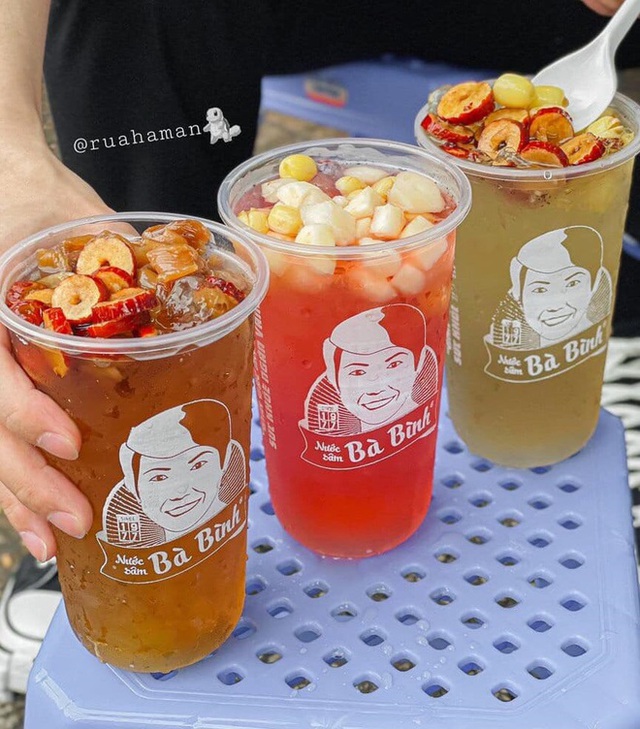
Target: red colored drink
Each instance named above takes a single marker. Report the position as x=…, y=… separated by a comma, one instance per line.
x=349, y=349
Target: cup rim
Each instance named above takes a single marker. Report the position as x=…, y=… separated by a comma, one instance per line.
x=169, y=343
x=351, y=252
x=630, y=111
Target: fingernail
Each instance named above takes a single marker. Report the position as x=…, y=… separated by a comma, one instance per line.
x=67, y=523
x=35, y=545
x=58, y=445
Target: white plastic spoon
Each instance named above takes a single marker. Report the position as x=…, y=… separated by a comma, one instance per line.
x=588, y=76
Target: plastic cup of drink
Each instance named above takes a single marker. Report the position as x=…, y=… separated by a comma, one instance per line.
x=348, y=357
x=536, y=266
x=158, y=582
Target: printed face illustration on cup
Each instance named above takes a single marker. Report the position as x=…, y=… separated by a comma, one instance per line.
x=559, y=288
x=181, y=467
x=554, y=277
x=378, y=368
x=374, y=374
x=556, y=310
x=378, y=392
x=177, y=492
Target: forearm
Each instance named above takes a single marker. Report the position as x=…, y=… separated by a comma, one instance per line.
x=23, y=32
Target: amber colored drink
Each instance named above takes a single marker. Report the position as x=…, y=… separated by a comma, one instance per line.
x=348, y=361
x=158, y=582
x=535, y=276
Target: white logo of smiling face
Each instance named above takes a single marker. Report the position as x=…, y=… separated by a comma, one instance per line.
x=378, y=369
x=178, y=492
x=181, y=467
x=554, y=277
x=376, y=386
x=375, y=375
x=559, y=288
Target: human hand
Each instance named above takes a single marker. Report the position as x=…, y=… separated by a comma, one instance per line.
x=603, y=7
x=37, y=191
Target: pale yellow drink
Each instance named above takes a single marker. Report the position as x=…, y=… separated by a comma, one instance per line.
x=535, y=274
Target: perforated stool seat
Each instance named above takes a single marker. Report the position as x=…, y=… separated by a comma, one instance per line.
x=515, y=605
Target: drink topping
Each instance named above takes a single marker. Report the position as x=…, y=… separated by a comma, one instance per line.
x=517, y=124
x=321, y=203
x=108, y=285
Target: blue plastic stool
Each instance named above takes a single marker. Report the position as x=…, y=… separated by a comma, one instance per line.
x=368, y=99
x=515, y=606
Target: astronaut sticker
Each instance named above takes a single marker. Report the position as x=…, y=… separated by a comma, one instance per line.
x=555, y=315
x=183, y=489
x=378, y=392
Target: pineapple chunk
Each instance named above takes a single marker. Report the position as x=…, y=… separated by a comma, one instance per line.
x=426, y=257
x=385, y=264
x=409, y=281
x=341, y=223
x=363, y=228
x=316, y=234
x=387, y=222
x=270, y=189
x=383, y=186
x=415, y=193
x=297, y=194
x=418, y=225
x=367, y=174
x=364, y=202
x=373, y=287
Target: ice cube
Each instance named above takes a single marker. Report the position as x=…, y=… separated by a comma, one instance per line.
x=179, y=308
x=329, y=168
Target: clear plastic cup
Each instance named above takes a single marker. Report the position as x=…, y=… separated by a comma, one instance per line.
x=158, y=582
x=349, y=431
x=536, y=270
